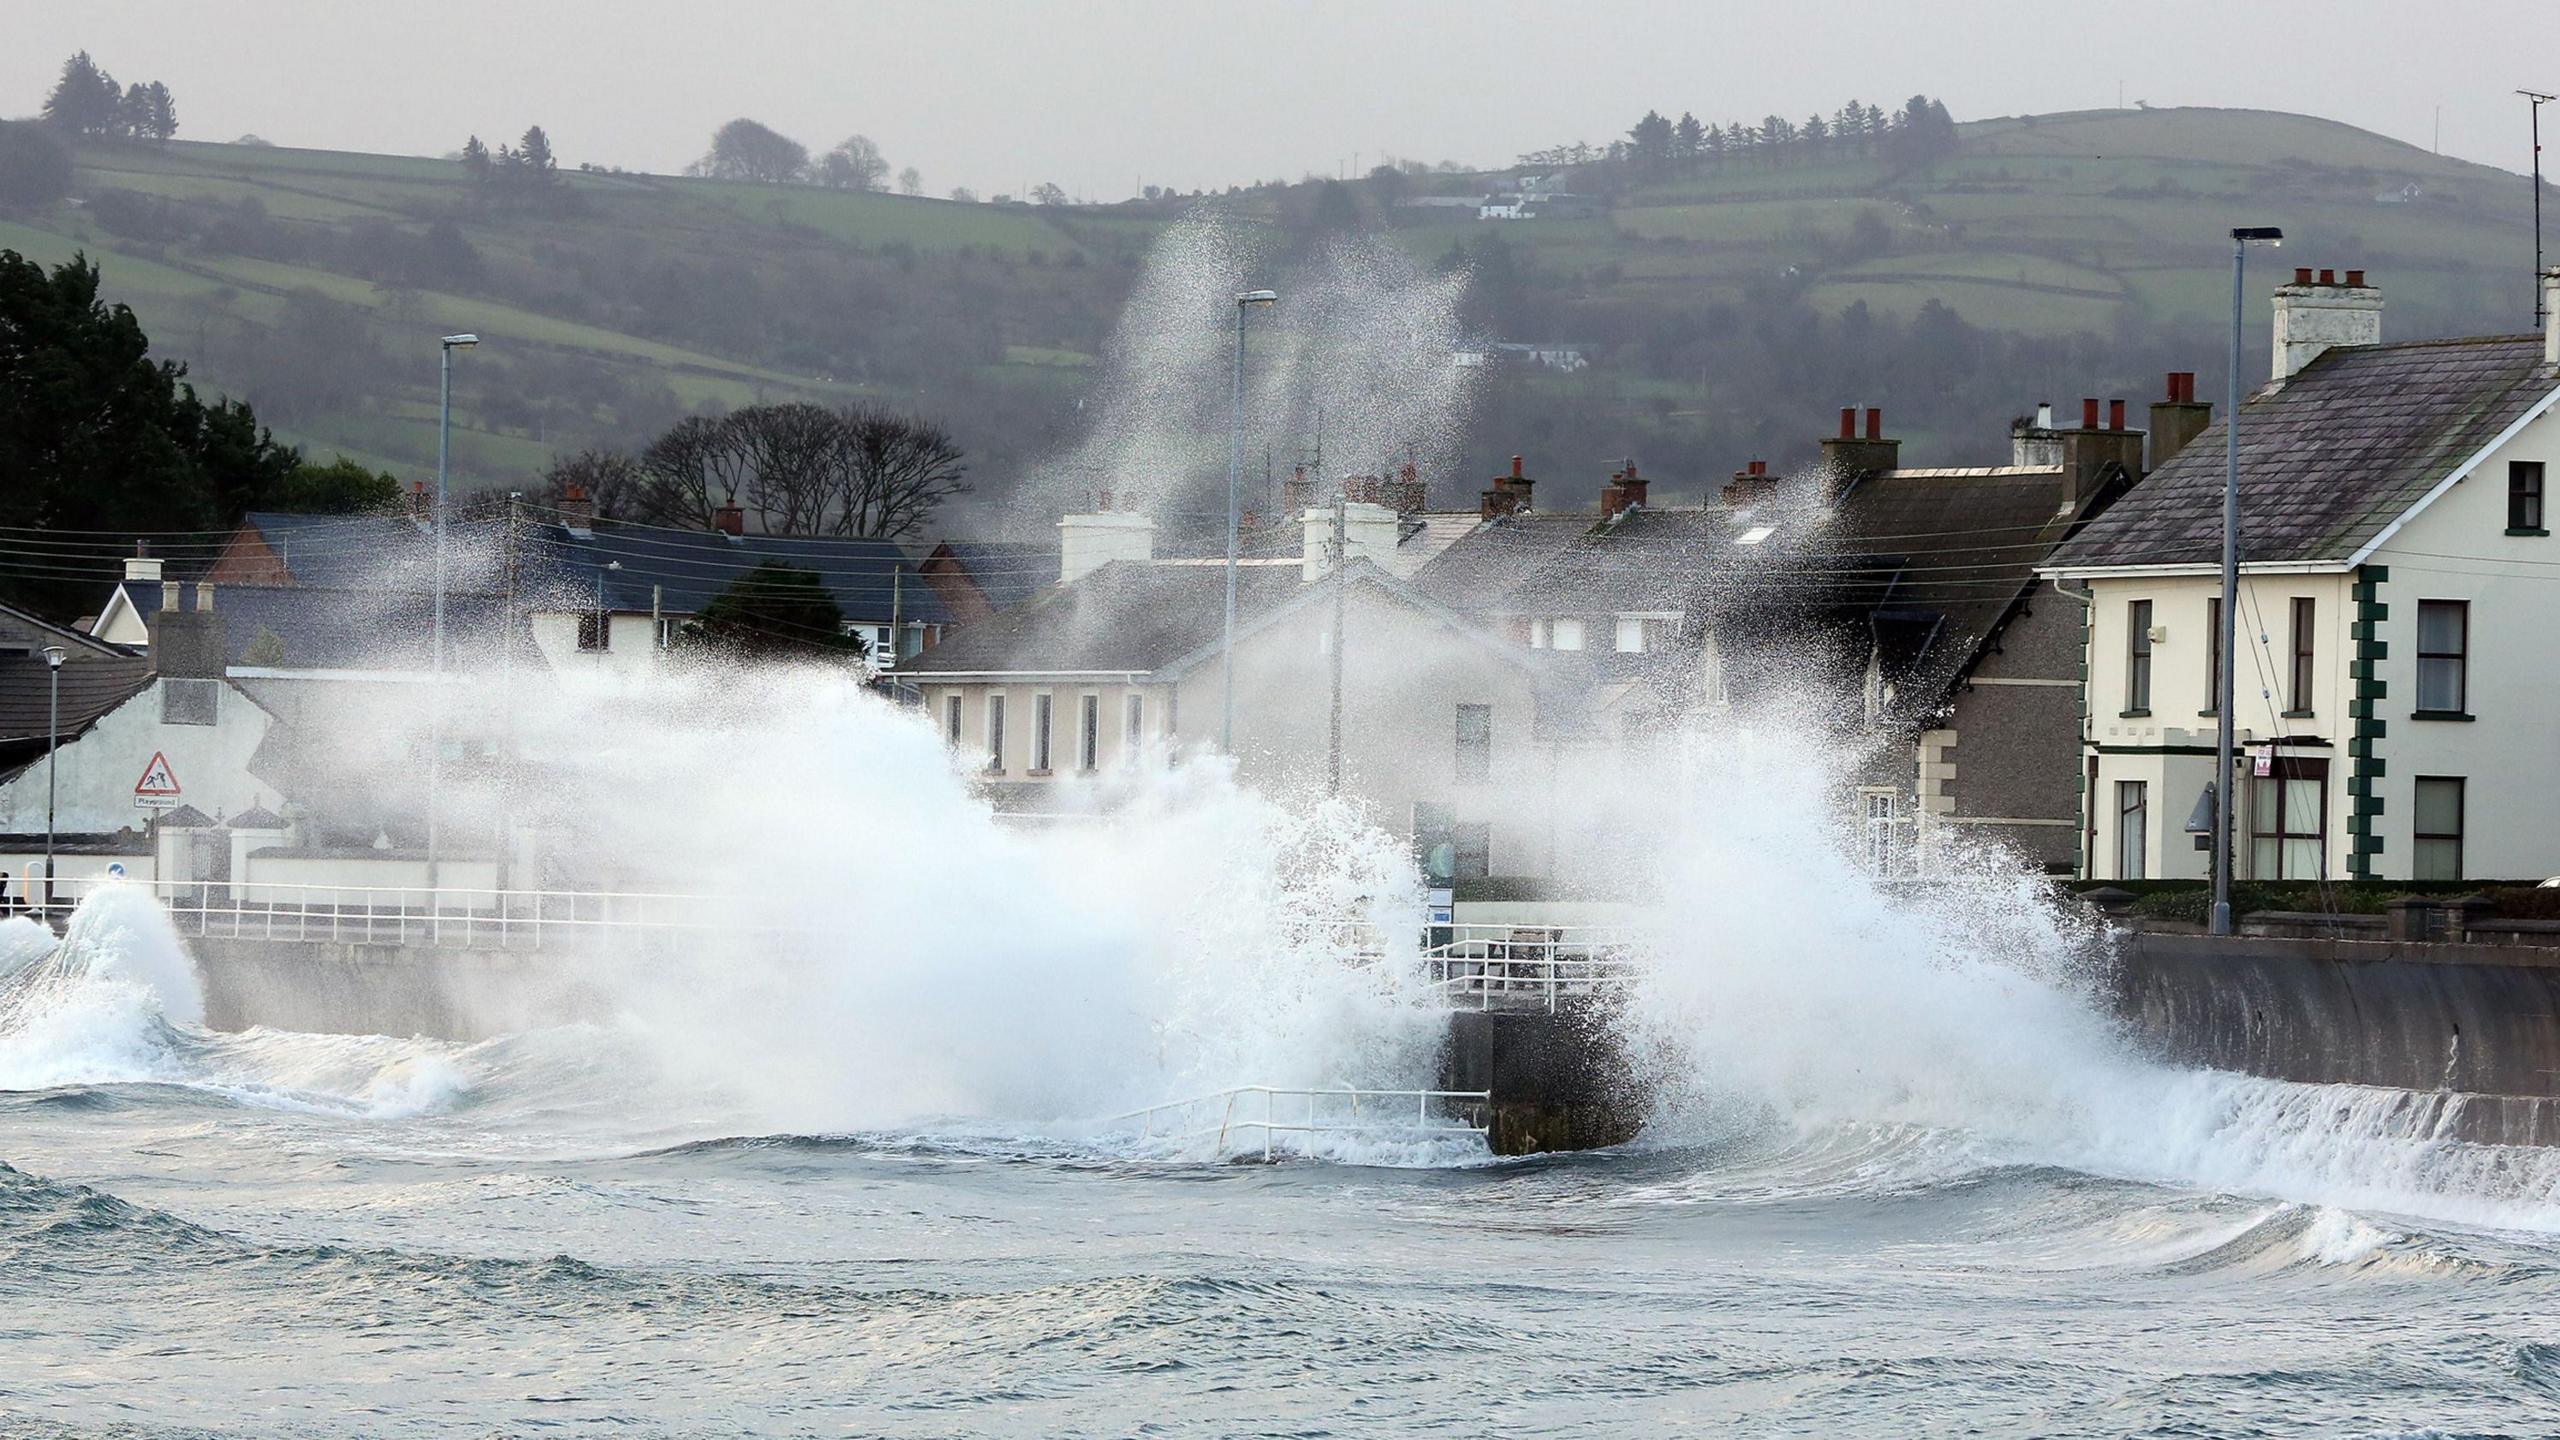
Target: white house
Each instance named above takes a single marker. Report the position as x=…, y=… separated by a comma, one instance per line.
x=2396, y=694
x=1119, y=665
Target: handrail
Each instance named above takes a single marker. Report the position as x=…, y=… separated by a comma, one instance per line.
x=415, y=914
x=1272, y=1125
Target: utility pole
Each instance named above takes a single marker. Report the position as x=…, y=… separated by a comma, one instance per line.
x=2536, y=99
x=1341, y=598
x=897, y=608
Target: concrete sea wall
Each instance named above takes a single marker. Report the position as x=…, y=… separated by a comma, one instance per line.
x=2477, y=1021
x=325, y=987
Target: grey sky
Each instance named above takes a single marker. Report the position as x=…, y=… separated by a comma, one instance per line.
x=1001, y=96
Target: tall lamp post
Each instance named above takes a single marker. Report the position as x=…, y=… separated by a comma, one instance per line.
x=53, y=658
x=1235, y=511
x=2225, y=784
x=435, y=708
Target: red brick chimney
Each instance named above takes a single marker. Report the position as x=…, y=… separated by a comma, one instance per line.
x=1849, y=457
x=729, y=520
x=1624, y=492
x=419, y=504
x=577, y=511
x=1510, y=493
x=1753, y=482
x=2177, y=419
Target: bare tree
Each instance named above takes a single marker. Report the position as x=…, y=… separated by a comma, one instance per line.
x=854, y=165
x=794, y=453
x=690, y=472
x=911, y=181
x=898, y=469
x=611, y=479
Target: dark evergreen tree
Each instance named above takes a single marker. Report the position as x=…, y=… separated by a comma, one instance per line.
x=35, y=170
x=772, y=612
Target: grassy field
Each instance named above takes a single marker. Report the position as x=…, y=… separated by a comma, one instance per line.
x=2054, y=225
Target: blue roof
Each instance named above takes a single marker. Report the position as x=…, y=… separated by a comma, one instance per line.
x=356, y=552
x=330, y=629
x=690, y=568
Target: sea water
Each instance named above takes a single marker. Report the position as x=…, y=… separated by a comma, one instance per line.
x=1901, y=1177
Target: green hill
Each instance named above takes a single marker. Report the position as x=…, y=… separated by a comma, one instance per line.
x=1726, y=310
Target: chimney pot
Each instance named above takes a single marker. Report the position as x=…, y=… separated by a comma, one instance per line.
x=2115, y=414
x=1875, y=423
x=1105, y=501
x=2328, y=277
x=2089, y=412
x=2355, y=277
x=1515, y=467
x=1848, y=422
x=1759, y=467
x=204, y=596
x=729, y=520
x=2301, y=274
x=168, y=595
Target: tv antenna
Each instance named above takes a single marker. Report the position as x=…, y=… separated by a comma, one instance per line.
x=2537, y=99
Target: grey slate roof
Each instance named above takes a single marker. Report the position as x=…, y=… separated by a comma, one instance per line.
x=90, y=689
x=2328, y=461
x=1007, y=572
x=1476, y=569
x=692, y=567
x=367, y=629
x=1125, y=616
x=358, y=552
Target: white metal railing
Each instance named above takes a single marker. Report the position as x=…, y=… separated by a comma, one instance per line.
x=1343, y=1110
x=419, y=915
x=1527, y=966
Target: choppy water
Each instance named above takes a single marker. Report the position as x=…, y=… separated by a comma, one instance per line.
x=284, y=1234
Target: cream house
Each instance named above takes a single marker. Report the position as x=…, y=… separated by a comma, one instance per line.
x=2396, y=699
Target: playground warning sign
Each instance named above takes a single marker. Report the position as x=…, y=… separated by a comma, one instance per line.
x=158, y=787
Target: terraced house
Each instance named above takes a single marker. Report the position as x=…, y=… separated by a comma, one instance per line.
x=2397, y=697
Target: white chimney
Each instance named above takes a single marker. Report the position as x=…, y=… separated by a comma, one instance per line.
x=142, y=564
x=2317, y=313
x=2036, y=446
x=1086, y=543
x=1368, y=533
x=2551, y=318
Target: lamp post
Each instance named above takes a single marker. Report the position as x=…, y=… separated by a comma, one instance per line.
x=1235, y=482
x=2224, y=783
x=435, y=708
x=53, y=658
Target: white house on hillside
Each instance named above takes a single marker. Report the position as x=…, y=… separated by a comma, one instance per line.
x=2396, y=691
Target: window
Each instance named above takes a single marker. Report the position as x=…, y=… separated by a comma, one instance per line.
x=2133, y=829
x=1882, y=814
x=190, y=702
x=595, y=630
x=2524, y=498
x=2444, y=657
x=2212, y=655
x=951, y=721
x=1474, y=844
x=1041, y=706
x=2288, y=808
x=2306, y=616
x=1133, y=724
x=1088, y=730
x=2137, y=658
x=2438, y=829
x=995, y=732
x=1630, y=635
x=1564, y=634
x=1475, y=742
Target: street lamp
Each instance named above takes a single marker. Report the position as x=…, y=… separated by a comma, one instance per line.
x=435, y=710
x=2241, y=239
x=53, y=658
x=1235, y=480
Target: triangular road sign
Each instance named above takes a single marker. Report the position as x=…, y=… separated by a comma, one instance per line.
x=157, y=777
